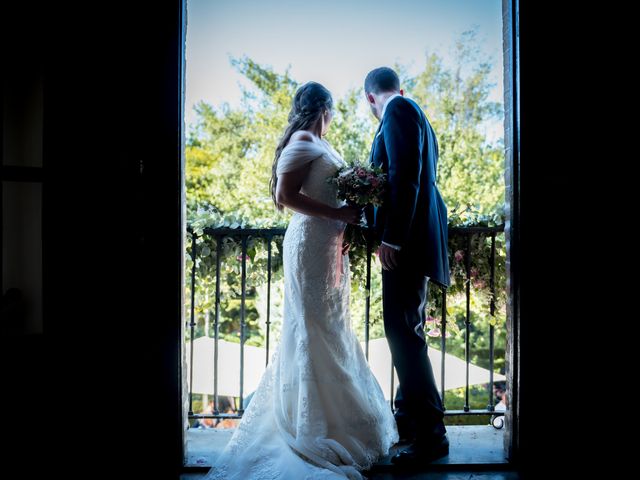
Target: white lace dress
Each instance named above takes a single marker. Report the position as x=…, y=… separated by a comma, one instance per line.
x=318, y=412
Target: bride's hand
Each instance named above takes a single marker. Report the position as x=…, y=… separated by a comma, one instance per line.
x=345, y=248
x=349, y=214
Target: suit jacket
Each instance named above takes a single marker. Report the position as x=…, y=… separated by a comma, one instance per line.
x=413, y=214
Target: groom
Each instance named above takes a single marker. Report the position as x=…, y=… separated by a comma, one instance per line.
x=412, y=226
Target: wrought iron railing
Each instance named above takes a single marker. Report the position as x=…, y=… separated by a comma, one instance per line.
x=268, y=235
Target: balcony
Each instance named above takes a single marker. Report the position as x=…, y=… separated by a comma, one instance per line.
x=234, y=297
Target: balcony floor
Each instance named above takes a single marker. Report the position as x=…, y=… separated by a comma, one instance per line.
x=473, y=449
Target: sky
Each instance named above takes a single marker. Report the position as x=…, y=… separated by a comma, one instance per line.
x=334, y=42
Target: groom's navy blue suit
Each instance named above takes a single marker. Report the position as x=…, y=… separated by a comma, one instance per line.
x=413, y=217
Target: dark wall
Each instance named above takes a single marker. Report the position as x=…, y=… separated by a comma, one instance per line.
x=21, y=310
x=21, y=136
x=562, y=237
x=100, y=392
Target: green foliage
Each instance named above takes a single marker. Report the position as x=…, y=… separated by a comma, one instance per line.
x=230, y=150
x=229, y=156
x=478, y=400
x=470, y=266
x=231, y=264
x=470, y=170
x=351, y=134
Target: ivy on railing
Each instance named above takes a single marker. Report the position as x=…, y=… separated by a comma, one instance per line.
x=469, y=235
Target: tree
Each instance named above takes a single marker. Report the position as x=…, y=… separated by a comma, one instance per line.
x=230, y=151
x=470, y=170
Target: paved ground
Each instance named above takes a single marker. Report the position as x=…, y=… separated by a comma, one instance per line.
x=473, y=450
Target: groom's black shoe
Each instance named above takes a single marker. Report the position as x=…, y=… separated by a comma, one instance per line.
x=422, y=452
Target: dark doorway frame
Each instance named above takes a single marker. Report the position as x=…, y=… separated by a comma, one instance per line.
x=511, y=58
x=511, y=62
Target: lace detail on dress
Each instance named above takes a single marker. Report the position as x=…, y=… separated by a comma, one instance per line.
x=318, y=412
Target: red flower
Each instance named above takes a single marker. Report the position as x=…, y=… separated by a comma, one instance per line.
x=432, y=321
x=479, y=284
x=434, y=333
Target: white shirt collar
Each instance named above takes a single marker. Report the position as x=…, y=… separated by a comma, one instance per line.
x=384, y=107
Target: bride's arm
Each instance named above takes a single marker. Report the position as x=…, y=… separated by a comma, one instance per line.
x=288, y=194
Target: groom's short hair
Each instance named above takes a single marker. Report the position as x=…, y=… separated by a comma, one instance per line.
x=382, y=79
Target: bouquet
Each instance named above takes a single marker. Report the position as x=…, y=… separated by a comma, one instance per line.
x=360, y=185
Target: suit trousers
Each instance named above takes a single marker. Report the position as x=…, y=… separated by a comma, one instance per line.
x=418, y=407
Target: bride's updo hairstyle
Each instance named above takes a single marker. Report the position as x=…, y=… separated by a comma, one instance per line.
x=309, y=103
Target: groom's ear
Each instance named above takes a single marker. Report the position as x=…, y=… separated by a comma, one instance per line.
x=370, y=99
x=402, y=92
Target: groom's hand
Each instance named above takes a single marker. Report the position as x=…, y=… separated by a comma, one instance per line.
x=388, y=257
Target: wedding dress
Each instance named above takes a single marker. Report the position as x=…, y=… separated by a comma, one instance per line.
x=318, y=412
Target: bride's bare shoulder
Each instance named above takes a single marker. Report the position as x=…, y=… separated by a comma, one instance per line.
x=301, y=135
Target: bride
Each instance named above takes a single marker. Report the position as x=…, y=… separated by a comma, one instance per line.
x=318, y=412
